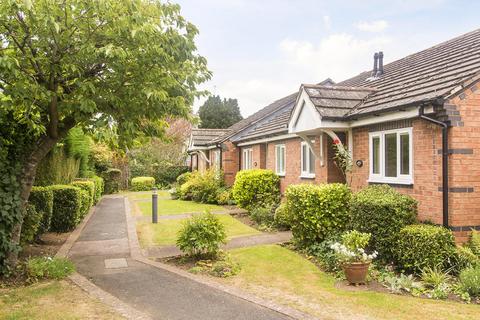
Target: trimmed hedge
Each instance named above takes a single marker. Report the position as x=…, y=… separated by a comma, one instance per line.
x=99, y=187
x=382, y=211
x=317, y=211
x=420, y=246
x=42, y=199
x=256, y=188
x=67, y=207
x=89, y=187
x=31, y=224
x=112, y=177
x=86, y=203
x=142, y=183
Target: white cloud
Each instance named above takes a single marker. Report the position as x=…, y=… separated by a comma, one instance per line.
x=372, y=26
x=327, y=22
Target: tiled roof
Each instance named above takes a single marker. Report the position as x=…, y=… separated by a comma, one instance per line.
x=205, y=137
x=423, y=76
x=336, y=101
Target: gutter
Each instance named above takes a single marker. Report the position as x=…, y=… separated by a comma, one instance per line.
x=444, y=161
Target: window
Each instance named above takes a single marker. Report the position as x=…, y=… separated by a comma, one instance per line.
x=247, y=159
x=280, y=159
x=391, y=156
x=308, y=161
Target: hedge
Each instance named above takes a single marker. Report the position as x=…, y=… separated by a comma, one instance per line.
x=42, y=199
x=99, y=187
x=112, y=178
x=202, y=186
x=256, y=188
x=67, y=206
x=317, y=211
x=420, y=246
x=89, y=187
x=382, y=211
x=31, y=224
x=143, y=183
x=86, y=203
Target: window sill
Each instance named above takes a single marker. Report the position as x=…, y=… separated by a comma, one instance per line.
x=407, y=182
x=281, y=175
x=307, y=176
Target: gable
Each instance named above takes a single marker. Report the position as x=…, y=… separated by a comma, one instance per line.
x=305, y=117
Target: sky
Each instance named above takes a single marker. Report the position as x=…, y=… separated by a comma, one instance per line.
x=260, y=51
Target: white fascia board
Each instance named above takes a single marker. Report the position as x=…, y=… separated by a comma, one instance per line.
x=276, y=138
x=311, y=121
x=393, y=116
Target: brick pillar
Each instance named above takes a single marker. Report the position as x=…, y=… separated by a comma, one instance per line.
x=230, y=162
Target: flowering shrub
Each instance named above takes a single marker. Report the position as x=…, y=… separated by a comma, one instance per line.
x=352, y=248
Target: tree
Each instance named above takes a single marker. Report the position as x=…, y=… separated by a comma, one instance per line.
x=217, y=113
x=90, y=63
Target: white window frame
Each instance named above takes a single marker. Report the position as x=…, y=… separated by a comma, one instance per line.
x=216, y=158
x=305, y=172
x=280, y=164
x=247, y=162
x=380, y=177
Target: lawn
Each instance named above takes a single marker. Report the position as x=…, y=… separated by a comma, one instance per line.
x=165, y=232
x=144, y=195
x=172, y=207
x=51, y=300
x=279, y=274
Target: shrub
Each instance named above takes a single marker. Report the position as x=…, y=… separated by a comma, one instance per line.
x=112, y=178
x=434, y=277
x=264, y=216
x=469, y=281
x=424, y=246
x=42, y=199
x=201, y=235
x=256, y=188
x=184, y=177
x=325, y=256
x=317, y=211
x=67, y=206
x=143, y=183
x=86, y=203
x=464, y=258
x=48, y=268
x=167, y=175
x=382, y=212
x=89, y=187
x=224, y=196
x=202, y=187
x=283, y=218
x=474, y=242
x=99, y=187
x=31, y=223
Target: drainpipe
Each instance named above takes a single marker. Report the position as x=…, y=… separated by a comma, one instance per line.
x=444, y=161
x=219, y=146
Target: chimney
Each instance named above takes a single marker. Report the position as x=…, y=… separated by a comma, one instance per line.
x=380, y=64
x=375, y=64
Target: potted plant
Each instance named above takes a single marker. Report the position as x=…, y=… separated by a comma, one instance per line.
x=352, y=256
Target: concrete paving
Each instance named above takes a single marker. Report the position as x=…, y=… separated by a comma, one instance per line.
x=102, y=251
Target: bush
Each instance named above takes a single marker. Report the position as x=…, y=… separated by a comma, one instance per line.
x=469, y=281
x=67, y=206
x=142, y=183
x=31, y=224
x=224, y=197
x=202, y=187
x=325, y=256
x=202, y=235
x=184, y=177
x=99, y=187
x=424, y=246
x=42, y=199
x=89, y=187
x=167, y=175
x=283, y=217
x=383, y=212
x=474, y=242
x=256, y=188
x=317, y=211
x=112, y=178
x=48, y=268
x=264, y=216
x=464, y=258
x=86, y=203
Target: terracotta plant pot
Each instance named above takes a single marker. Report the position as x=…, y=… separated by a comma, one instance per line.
x=356, y=272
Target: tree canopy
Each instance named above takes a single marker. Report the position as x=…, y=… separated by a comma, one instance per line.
x=90, y=64
x=218, y=113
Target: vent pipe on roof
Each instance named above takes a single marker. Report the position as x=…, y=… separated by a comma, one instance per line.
x=380, y=64
x=375, y=65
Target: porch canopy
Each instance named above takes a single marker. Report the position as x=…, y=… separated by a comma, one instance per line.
x=324, y=109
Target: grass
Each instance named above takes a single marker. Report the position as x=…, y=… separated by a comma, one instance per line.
x=279, y=274
x=51, y=300
x=172, y=207
x=143, y=195
x=165, y=232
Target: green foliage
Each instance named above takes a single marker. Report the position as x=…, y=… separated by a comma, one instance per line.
x=221, y=268
x=111, y=178
x=166, y=176
x=283, y=217
x=202, y=186
x=142, y=183
x=324, y=255
x=464, y=258
x=317, y=211
x=184, y=177
x=201, y=235
x=86, y=201
x=355, y=240
x=57, y=168
x=99, y=187
x=217, y=113
x=424, y=246
x=469, y=281
x=101, y=157
x=402, y=283
x=224, y=196
x=89, y=187
x=31, y=224
x=264, y=216
x=382, y=212
x=434, y=277
x=474, y=242
x=256, y=188
x=78, y=146
x=67, y=207
x=48, y=268
x=42, y=199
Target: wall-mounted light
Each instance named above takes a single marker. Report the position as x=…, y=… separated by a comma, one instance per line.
x=359, y=163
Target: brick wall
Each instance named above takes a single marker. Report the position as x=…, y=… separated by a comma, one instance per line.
x=230, y=161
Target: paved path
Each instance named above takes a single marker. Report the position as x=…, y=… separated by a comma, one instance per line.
x=102, y=254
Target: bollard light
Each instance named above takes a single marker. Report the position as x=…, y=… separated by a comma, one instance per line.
x=154, y=206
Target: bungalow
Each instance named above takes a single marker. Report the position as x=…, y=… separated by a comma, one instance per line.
x=413, y=124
